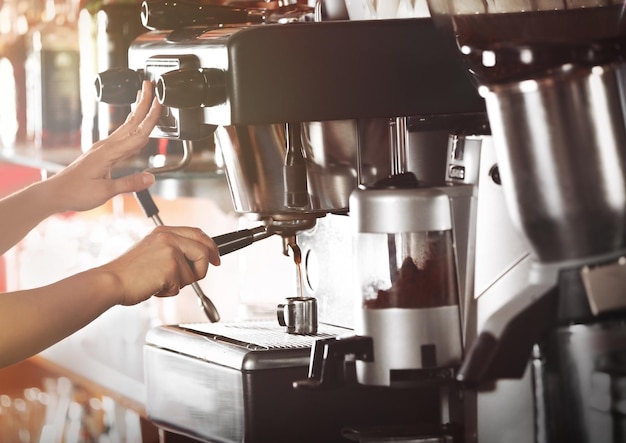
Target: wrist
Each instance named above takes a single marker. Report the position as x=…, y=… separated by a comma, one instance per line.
x=44, y=196
x=107, y=286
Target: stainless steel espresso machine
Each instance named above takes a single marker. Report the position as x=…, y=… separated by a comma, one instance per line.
x=359, y=143
x=552, y=74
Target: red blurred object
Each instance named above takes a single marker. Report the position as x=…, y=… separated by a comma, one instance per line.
x=14, y=177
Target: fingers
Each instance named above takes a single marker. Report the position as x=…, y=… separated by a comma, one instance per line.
x=166, y=260
x=144, y=105
x=199, y=249
x=134, y=132
x=132, y=183
x=145, y=122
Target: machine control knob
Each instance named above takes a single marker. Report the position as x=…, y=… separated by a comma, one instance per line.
x=191, y=88
x=118, y=86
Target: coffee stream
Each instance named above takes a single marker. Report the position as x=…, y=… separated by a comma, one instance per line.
x=297, y=259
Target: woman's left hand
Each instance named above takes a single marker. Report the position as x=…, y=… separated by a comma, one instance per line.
x=87, y=183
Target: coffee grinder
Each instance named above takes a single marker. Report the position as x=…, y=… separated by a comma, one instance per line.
x=552, y=75
x=408, y=320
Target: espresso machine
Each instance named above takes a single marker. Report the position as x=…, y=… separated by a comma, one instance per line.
x=359, y=142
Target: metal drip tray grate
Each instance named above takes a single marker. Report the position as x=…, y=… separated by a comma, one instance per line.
x=243, y=345
x=262, y=335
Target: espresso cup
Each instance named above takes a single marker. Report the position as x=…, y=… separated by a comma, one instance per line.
x=298, y=315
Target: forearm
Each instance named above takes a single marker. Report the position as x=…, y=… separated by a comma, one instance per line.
x=24, y=210
x=32, y=320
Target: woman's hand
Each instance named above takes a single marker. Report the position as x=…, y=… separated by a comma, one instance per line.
x=87, y=183
x=165, y=261
x=160, y=264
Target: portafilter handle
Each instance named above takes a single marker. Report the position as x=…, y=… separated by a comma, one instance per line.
x=233, y=241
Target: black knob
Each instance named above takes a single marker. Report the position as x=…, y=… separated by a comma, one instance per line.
x=118, y=86
x=191, y=88
x=176, y=14
x=494, y=173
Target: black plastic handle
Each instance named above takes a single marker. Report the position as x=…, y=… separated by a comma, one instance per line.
x=233, y=241
x=147, y=203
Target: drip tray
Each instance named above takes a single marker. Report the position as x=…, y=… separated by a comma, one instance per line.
x=233, y=382
x=243, y=346
x=262, y=335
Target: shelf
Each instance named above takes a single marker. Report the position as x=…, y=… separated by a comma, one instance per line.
x=51, y=160
x=200, y=178
x=54, y=160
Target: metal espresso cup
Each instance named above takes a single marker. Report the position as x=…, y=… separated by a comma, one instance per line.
x=298, y=315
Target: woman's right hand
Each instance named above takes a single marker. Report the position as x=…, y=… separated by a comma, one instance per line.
x=165, y=261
